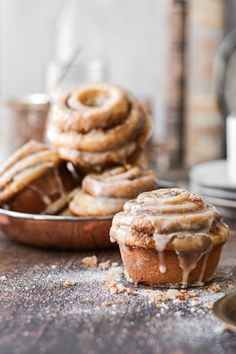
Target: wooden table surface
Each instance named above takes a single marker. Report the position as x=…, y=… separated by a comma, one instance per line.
x=38, y=314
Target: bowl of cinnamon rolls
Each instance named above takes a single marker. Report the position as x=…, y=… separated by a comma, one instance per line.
x=64, y=194
x=87, y=189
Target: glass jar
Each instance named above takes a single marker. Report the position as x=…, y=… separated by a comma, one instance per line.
x=21, y=119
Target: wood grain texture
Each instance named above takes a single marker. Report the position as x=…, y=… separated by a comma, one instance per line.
x=38, y=314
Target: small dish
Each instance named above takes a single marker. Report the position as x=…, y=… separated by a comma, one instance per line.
x=225, y=310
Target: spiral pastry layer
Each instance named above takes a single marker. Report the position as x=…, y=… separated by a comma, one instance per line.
x=105, y=194
x=170, y=220
x=166, y=219
x=99, y=119
x=24, y=166
x=35, y=180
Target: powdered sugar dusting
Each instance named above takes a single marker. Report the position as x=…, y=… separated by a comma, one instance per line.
x=100, y=306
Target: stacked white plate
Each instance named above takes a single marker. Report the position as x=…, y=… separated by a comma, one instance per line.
x=210, y=180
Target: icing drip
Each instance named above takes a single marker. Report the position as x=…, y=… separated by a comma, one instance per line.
x=162, y=263
x=161, y=241
x=188, y=262
x=200, y=282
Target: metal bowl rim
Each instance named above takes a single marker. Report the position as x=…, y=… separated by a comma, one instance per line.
x=19, y=215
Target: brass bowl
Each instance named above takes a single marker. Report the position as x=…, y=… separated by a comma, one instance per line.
x=58, y=232
x=225, y=310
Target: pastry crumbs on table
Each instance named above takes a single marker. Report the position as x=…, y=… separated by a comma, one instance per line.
x=106, y=304
x=214, y=288
x=105, y=265
x=67, y=283
x=91, y=261
x=231, y=286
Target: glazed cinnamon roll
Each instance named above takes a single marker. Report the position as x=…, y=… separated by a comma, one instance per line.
x=169, y=236
x=105, y=194
x=34, y=180
x=98, y=126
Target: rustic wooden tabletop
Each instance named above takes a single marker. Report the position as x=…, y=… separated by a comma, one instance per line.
x=51, y=303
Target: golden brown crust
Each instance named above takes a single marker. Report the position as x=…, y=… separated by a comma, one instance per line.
x=143, y=266
x=90, y=107
x=97, y=140
x=35, y=180
x=95, y=161
x=24, y=166
x=101, y=136
x=105, y=194
x=84, y=204
x=121, y=182
x=48, y=194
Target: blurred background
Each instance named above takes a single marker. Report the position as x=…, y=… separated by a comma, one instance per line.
x=177, y=56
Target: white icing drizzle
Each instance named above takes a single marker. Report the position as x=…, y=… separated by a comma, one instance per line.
x=27, y=164
x=162, y=262
x=200, y=282
x=174, y=216
x=188, y=262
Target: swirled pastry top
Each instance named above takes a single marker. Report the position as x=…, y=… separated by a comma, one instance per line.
x=98, y=119
x=24, y=166
x=169, y=219
x=120, y=182
x=90, y=107
x=106, y=193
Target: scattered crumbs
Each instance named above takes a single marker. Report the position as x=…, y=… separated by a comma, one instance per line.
x=210, y=306
x=112, y=286
x=214, y=288
x=111, y=303
x=53, y=266
x=231, y=286
x=114, y=273
x=106, y=304
x=90, y=261
x=172, y=293
x=105, y=265
x=192, y=293
x=3, y=278
x=67, y=283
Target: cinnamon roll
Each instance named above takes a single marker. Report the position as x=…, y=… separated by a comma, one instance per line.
x=98, y=126
x=169, y=236
x=34, y=180
x=105, y=194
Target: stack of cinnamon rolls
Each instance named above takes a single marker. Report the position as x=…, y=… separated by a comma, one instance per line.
x=97, y=134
